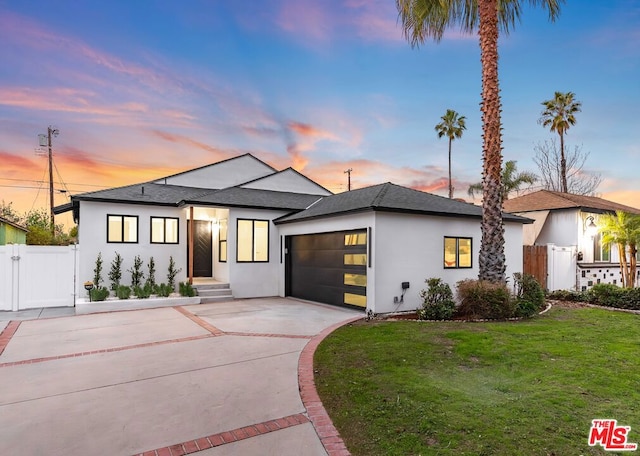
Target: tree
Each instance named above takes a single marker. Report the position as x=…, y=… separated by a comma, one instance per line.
x=512, y=180
x=38, y=222
x=548, y=159
x=452, y=126
x=559, y=115
x=623, y=229
x=428, y=19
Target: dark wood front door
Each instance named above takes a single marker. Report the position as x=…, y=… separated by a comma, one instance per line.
x=202, y=248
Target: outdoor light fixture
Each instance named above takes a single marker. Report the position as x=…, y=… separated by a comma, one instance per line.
x=88, y=286
x=589, y=226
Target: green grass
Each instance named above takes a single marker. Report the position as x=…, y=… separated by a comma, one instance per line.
x=511, y=388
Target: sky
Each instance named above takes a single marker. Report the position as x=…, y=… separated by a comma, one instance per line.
x=143, y=89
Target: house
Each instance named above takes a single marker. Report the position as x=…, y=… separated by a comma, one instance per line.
x=567, y=224
x=277, y=233
x=12, y=233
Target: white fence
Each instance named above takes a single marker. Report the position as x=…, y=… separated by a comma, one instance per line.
x=37, y=276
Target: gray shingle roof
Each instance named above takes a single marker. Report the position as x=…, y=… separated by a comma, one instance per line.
x=146, y=193
x=264, y=199
x=391, y=198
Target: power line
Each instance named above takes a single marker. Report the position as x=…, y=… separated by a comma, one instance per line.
x=55, y=182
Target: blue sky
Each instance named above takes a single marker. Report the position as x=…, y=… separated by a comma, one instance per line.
x=142, y=89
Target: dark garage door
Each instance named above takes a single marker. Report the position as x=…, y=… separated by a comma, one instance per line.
x=328, y=267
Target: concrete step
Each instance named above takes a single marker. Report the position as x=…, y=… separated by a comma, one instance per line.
x=213, y=292
x=210, y=286
x=206, y=300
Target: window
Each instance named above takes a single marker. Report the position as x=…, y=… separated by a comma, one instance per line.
x=601, y=252
x=222, y=242
x=253, y=241
x=355, y=239
x=164, y=230
x=355, y=259
x=457, y=252
x=122, y=228
x=355, y=299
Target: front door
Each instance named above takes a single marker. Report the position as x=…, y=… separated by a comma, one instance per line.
x=202, y=248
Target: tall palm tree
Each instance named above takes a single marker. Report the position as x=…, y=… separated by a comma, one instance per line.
x=452, y=126
x=512, y=180
x=428, y=19
x=559, y=115
x=622, y=229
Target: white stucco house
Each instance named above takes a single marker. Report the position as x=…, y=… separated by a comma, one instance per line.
x=277, y=233
x=567, y=224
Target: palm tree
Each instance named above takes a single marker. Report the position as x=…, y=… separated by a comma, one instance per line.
x=622, y=229
x=559, y=114
x=452, y=126
x=428, y=19
x=512, y=180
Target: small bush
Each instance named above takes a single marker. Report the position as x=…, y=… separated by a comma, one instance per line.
x=163, y=290
x=567, y=295
x=529, y=295
x=438, y=303
x=142, y=292
x=97, y=272
x=172, y=272
x=606, y=294
x=123, y=292
x=99, y=293
x=186, y=289
x=483, y=299
x=136, y=272
x=115, y=274
x=151, y=276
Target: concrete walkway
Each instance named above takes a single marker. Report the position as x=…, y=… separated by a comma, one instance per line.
x=213, y=379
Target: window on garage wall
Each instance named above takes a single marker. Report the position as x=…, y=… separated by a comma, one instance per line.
x=457, y=252
x=253, y=241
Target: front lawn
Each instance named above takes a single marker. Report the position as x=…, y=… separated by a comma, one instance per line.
x=509, y=388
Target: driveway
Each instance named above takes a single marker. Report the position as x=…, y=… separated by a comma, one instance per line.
x=213, y=379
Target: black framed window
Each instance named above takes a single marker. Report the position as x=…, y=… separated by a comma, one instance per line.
x=457, y=252
x=164, y=230
x=222, y=242
x=122, y=229
x=252, y=241
x=601, y=251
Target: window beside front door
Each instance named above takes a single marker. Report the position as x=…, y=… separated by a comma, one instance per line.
x=601, y=252
x=222, y=242
x=122, y=228
x=457, y=252
x=164, y=230
x=253, y=241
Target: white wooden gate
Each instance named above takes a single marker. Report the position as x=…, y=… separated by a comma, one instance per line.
x=561, y=267
x=37, y=276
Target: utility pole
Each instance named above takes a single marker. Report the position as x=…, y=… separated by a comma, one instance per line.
x=51, y=132
x=348, y=173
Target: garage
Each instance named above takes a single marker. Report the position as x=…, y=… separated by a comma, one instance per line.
x=329, y=267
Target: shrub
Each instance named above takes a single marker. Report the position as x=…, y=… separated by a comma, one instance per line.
x=483, y=299
x=172, y=273
x=97, y=272
x=99, y=293
x=142, y=292
x=163, y=290
x=115, y=274
x=606, y=294
x=186, y=289
x=528, y=294
x=438, y=303
x=567, y=295
x=151, y=276
x=136, y=272
x=123, y=292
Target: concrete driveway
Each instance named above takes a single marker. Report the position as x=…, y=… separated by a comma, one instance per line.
x=213, y=379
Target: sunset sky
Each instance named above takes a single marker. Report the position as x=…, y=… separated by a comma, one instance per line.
x=142, y=89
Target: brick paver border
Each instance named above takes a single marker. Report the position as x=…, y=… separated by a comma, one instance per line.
x=7, y=334
x=223, y=438
x=329, y=436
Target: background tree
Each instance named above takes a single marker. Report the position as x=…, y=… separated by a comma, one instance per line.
x=428, y=19
x=559, y=115
x=512, y=180
x=548, y=159
x=623, y=229
x=38, y=222
x=452, y=126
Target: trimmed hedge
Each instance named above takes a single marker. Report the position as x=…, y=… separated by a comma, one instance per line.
x=603, y=294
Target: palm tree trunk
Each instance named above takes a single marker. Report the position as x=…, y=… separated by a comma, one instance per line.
x=492, y=258
x=450, y=185
x=624, y=273
x=633, y=251
x=563, y=164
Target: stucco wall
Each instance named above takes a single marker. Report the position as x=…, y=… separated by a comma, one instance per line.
x=561, y=228
x=92, y=233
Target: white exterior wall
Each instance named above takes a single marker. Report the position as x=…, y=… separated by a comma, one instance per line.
x=287, y=181
x=561, y=228
x=513, y=235
x=251, y=280
x=92, y=234
x=221, y=175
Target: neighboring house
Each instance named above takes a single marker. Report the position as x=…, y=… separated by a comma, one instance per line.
x=278, y=233
x=12, y=233
x=567, y=223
